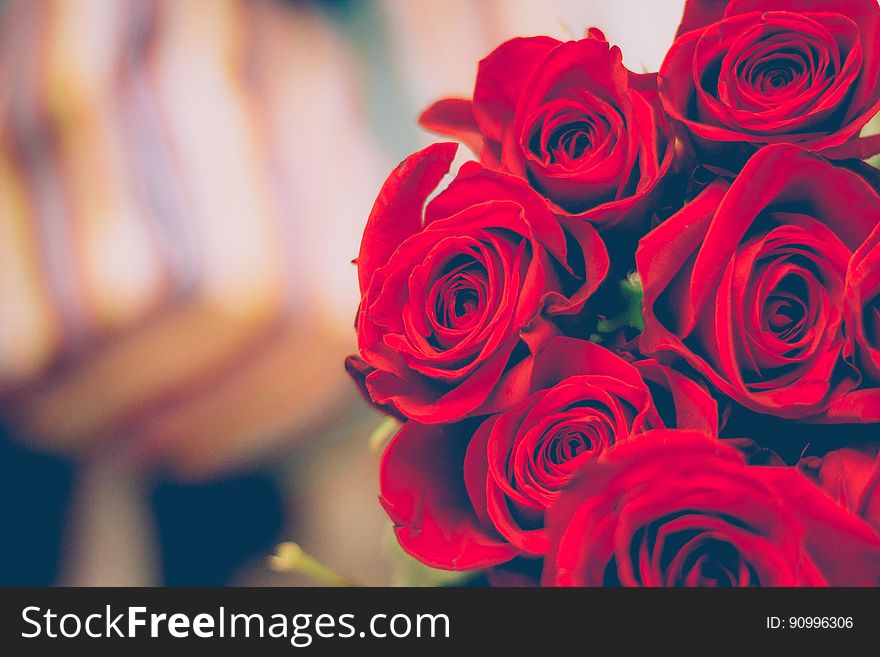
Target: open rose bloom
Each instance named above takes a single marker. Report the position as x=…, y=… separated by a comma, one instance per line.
x=637, y=342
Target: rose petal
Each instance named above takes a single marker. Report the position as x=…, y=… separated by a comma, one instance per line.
x=397, y=212
x=422, y=489
x=454, y=117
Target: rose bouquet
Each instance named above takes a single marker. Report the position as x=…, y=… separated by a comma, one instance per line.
x=638, y=341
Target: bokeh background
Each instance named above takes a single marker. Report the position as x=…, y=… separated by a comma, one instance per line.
x=183, y=185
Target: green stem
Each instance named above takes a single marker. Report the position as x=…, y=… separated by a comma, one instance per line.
x=383, y=433
x=289, y=557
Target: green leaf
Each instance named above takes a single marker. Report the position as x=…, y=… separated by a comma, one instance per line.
x=631, y=288
x=631, y=315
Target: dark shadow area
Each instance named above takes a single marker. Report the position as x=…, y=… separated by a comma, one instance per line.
x=208, y=530
x=34, y=498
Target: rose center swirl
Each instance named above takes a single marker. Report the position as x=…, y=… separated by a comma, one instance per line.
x=786, y=282
x=458, y=299
x=692, y=550
x=567, y=137
x=546, y=457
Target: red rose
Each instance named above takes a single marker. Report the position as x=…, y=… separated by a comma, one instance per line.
x=471, y=496
x=570, y=118
x=851, y=476
x=673, y=508
x=454, y=301
x=746, y=281
x=754, y=72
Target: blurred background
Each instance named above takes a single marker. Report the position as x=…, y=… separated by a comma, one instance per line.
x=183, y=186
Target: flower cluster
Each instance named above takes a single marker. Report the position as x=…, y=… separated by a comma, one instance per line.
x=638, y=342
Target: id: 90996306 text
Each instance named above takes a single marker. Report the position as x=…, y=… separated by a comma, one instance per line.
x=809, y=622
